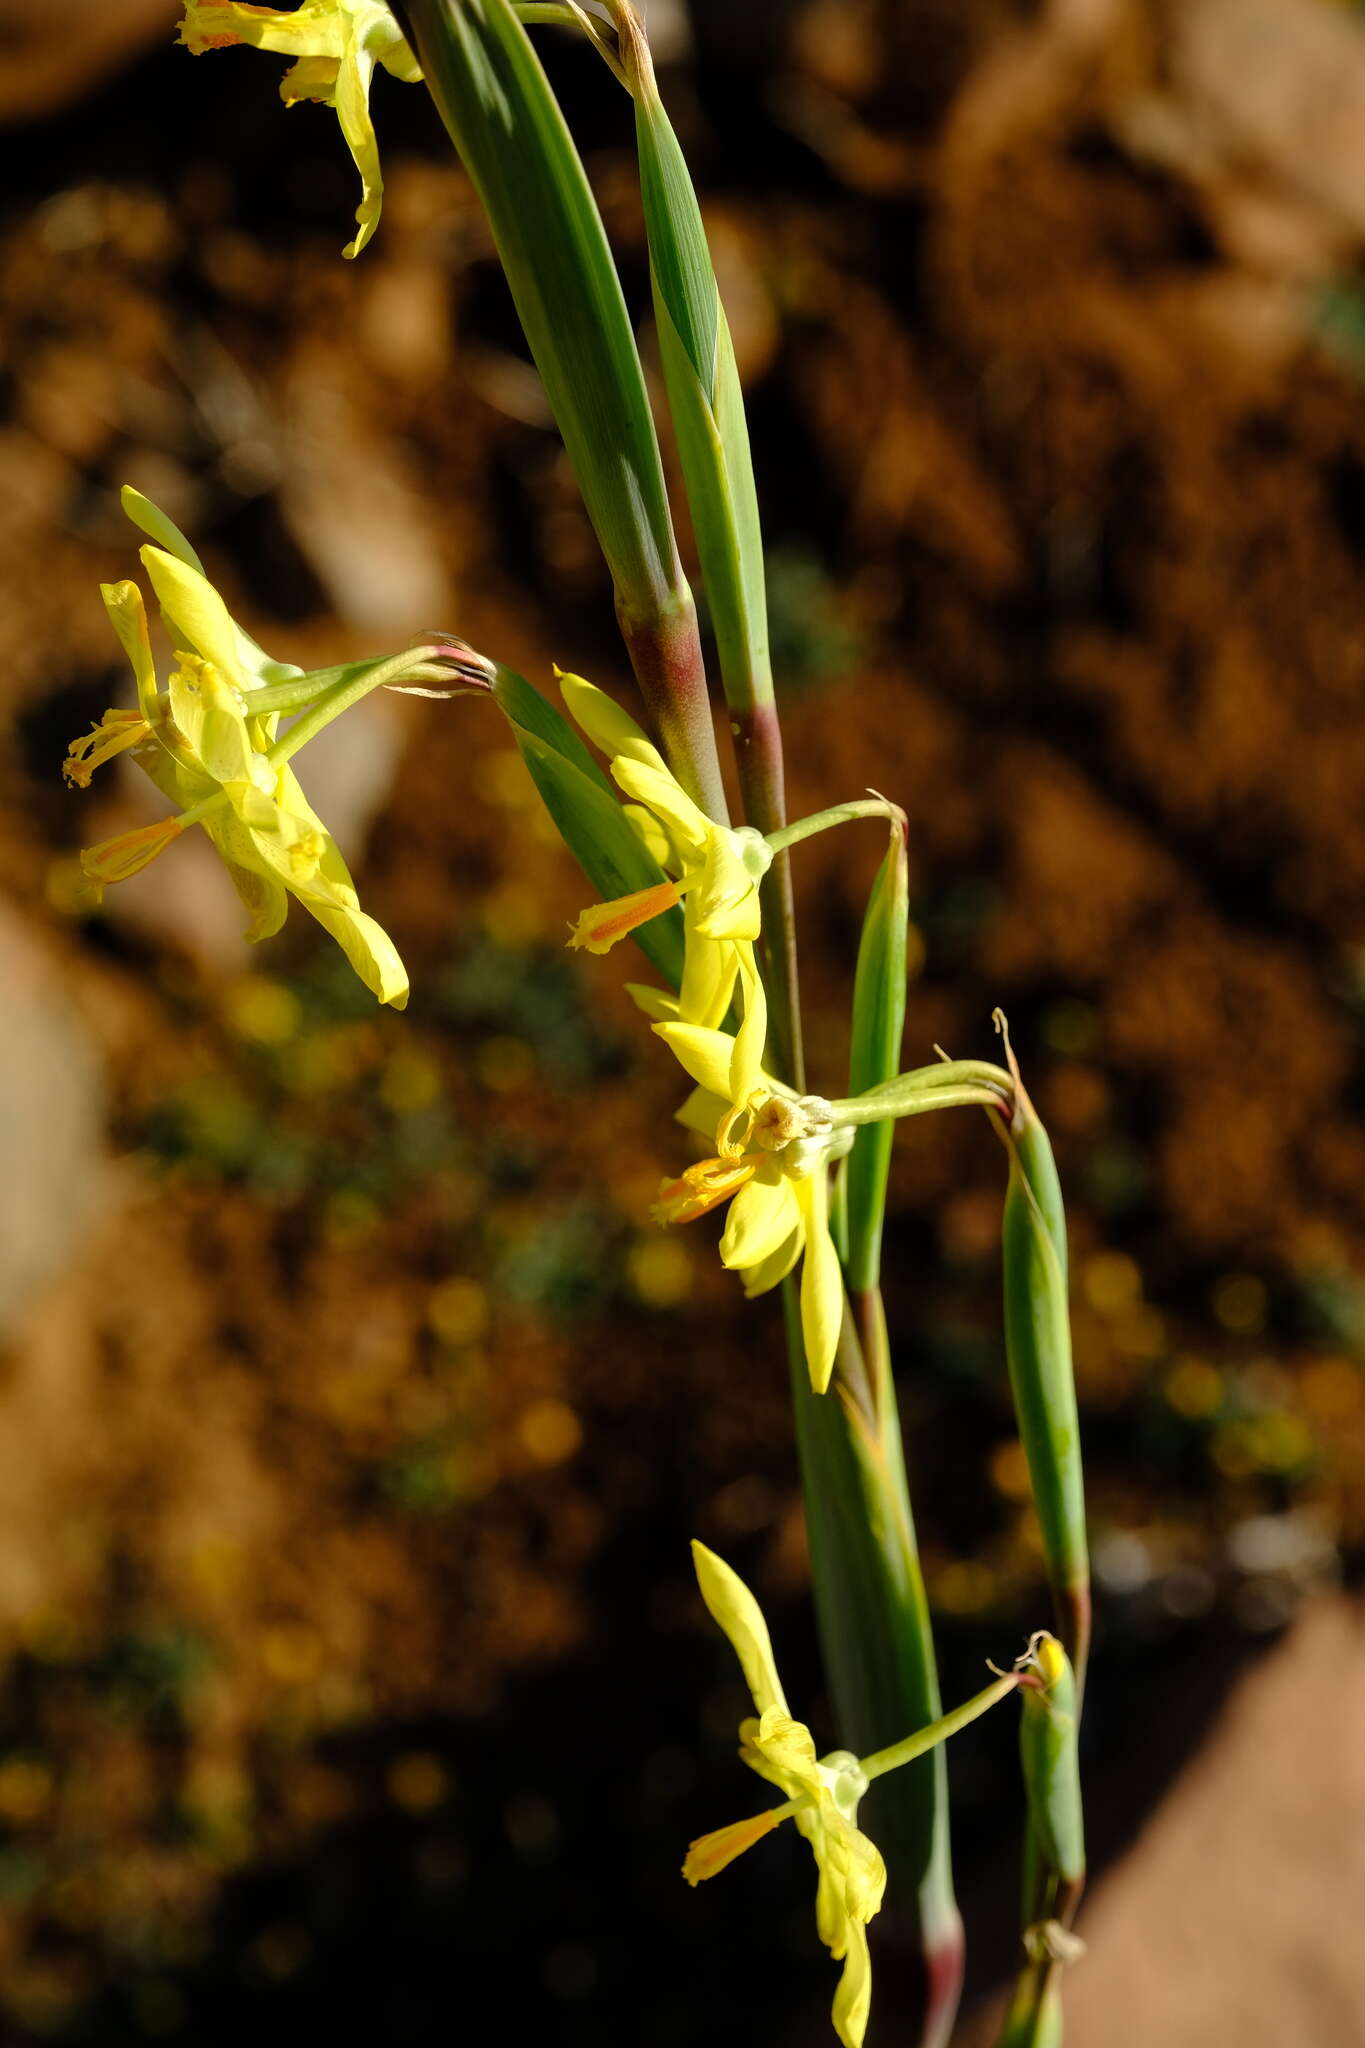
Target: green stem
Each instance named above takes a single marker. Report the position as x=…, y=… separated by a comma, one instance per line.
x=824, y=821
x=938, y=1731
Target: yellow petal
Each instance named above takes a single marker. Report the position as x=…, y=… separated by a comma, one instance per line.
x=128, y=617
x=731, y=1605
x=702, y=1112
x=853, y=1998
x=353, y=112
x=369, y=949
x=701, y=1188
x=650, y=783
x=318, y=28
x=775, y=1268
x=158, y=527
x=762, y=1217
x=727, y=904
x=650, y=834
x=710, y=1854
x=600, y=926
x=822, y=1286
x=603, y=720
x=705, y=1055
x=197, y=616
x=656, y=1003
x=787, y=1747
x=113, y=860
x=708, y=981
x=746, y=1062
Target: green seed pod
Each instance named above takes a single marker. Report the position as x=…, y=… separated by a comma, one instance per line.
x=1048, y=1752
x=874, y=1055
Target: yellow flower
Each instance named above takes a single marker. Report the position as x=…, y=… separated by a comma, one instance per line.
x=203, y=748
x=717, y=871
x=773, y=1153
x=336, y=45
x=822, y=1798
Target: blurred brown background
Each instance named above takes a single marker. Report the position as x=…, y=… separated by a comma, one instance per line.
x=353, y=1418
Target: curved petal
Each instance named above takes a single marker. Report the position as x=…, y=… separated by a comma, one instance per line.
x=769, y=1272
x=706, y=1055
x=128, y=617
x=746, y=1061
x=607, y=725
x=317, y=29
x=762, y=1217
x=733, y=1607
x=197, y=617
x=369, y=949
x=822, y=1284
x=650, y=783
x=708, y=980
x=353, y=112
x=702, y=1112
x=726, y=894
x=853, y=1999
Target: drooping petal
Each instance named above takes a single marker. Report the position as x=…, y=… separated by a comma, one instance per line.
x=762, y=1217
x=353, y=113
x=853, y=1997
x=369, y=949
x=262, y=893
x=733, y=1607
x=822, y=1286
x=767, y=1274
x=710, y=967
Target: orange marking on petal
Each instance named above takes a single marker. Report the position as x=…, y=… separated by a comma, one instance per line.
x=599, y=928
x=115, y=859
x=709, y=1854
x=701, y=1187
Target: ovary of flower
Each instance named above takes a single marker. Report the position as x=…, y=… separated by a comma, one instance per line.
x=773, y=1151
x=716, y=871
x=202, y=748
x=336, y=45
x=821, y=1797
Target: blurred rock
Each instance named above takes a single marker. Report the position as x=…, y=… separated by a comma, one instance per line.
x=51, y=1123
x=1237, y=1915
x=50, y=55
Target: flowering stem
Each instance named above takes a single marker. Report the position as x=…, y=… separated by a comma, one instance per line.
x=938, y=1731
x=824, y=821
x=353, y=683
